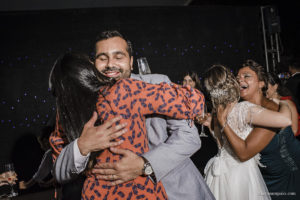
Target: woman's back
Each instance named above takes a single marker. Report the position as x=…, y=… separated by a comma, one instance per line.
x=281, y=158
x=226, y=175
x=133, y=99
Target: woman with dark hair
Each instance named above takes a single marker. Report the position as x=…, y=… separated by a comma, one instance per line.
x=228, y=177
x=75, y=87
x=132, y=99
x=277, y=91
x=192, y=79
x=73, y=83
x=280, y=153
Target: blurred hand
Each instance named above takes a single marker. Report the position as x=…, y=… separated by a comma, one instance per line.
x=201, y=119
x=10, y=177
x=128, y=168
x=95, y=138
x=22, y=185
x=277, y=101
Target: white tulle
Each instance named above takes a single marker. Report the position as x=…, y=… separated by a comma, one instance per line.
x=227, y=177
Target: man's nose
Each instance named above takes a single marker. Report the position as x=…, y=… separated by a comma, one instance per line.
x=110, y=63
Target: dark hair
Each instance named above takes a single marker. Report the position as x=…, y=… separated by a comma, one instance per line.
x=273, y=79
x=113, y=33
x=194, y=76
x=260, y=72
x=75, y=83
x=294, y=63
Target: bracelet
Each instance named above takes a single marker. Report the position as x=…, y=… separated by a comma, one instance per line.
x=224, y=126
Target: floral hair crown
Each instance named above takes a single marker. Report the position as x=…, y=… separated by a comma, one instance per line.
x=216, y=93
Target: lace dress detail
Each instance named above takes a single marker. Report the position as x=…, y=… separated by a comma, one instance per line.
x=240, y=120
x=225, y=174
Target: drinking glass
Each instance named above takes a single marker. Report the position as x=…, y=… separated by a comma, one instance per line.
x=11, y=176
x=143, y=66
x=202, y=133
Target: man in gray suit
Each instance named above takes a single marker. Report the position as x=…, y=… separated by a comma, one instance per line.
x=171, y=142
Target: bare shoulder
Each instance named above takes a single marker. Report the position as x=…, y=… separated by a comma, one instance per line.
x=271, y=105
x=291, y=104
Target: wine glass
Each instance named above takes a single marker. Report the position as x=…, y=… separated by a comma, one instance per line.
x=202, y=133
x=143, y=66
x=11, y=176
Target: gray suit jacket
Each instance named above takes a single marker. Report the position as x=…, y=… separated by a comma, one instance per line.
x=171, y=144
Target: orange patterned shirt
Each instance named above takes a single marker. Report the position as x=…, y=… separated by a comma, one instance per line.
x=133, y=100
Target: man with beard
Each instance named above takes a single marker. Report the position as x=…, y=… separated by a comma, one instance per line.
x=171, y=142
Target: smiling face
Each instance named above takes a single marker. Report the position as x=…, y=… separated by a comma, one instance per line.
x=187, y=80
x=112, y=58
x=250, y=85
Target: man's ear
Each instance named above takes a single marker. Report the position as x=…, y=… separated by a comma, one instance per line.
x=276, y=86
x=131, y=63
x=261, y=84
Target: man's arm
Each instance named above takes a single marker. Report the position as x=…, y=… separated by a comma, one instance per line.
x=72, y=158
x=64, y=168
x=183, y=141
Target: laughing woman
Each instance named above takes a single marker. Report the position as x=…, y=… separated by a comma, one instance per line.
x=279, y=150
x=228, y=177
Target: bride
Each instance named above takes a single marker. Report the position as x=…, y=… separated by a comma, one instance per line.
x=228, y=177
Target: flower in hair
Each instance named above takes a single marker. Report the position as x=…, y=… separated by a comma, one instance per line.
x=216, y=93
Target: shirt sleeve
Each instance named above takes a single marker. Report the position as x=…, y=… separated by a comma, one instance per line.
x=45, y=167
x=67, y=165
x=182, y=141
x=57, y=140
x=79, y=160
x=168, y=99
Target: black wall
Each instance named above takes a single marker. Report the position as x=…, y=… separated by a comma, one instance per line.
x=174, y=39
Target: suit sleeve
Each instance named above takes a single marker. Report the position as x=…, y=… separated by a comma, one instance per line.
x=65, y=157
x=183, y=142
x=165, y=98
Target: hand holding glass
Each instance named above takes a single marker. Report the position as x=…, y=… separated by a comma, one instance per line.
x=202, y=119
x=11, y=176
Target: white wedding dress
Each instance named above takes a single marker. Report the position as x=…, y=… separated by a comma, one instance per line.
x=228, y=177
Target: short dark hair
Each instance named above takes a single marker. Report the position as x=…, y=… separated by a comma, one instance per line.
x=113, y=33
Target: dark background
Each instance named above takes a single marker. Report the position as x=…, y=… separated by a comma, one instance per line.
x=173, y=38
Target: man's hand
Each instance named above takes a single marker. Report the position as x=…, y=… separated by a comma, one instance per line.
x=95, y=138
x=128, y=168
